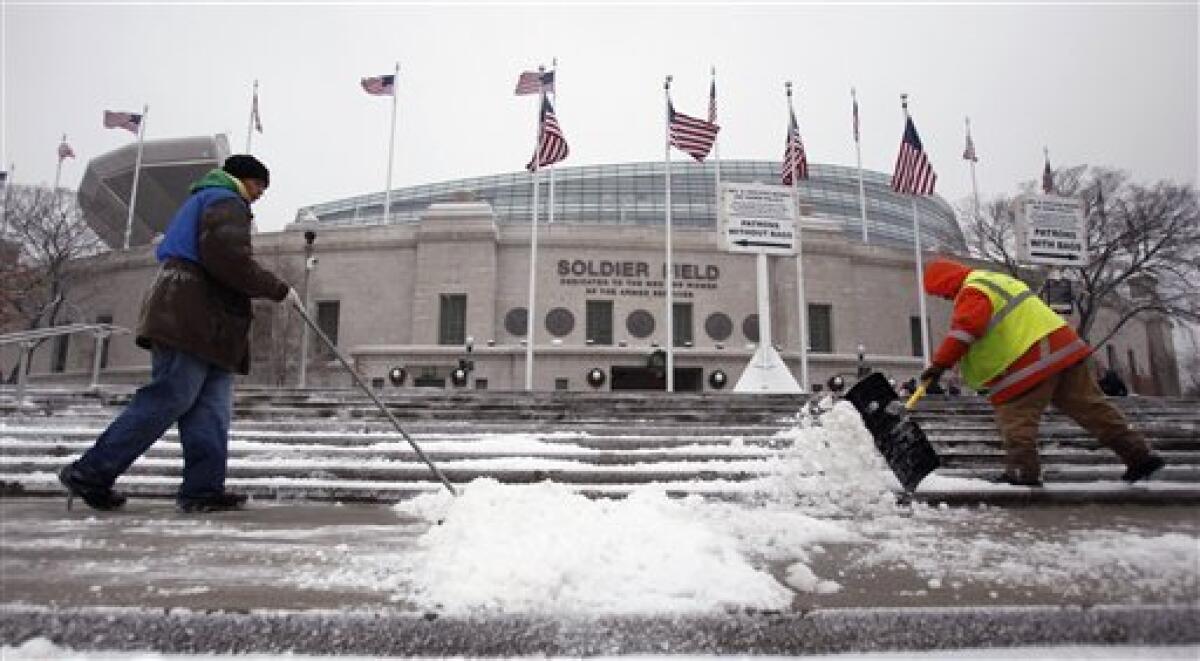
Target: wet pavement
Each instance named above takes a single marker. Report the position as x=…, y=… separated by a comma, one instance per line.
x=325, y=577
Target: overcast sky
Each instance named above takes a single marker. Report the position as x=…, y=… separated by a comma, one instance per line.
x=1097, y=84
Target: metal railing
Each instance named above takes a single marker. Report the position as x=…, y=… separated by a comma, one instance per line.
x=29, y=339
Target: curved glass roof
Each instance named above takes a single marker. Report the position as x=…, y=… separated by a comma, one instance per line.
x=634, y=194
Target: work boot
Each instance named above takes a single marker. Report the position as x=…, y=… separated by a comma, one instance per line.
x=1143, y=468
x=222, y=502
x=97, y=496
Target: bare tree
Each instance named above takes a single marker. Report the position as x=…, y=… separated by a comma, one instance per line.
x=46, y=234
x=1143, y=245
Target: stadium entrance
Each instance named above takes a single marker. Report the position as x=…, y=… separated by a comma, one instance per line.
x=687, y=379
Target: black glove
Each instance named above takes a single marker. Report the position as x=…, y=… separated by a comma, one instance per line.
x=932, y=374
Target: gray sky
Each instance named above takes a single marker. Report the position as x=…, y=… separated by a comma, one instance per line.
x=1097, y=84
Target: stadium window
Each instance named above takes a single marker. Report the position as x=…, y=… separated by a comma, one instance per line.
x=600, y=322
x=820, y=327
x=1110, y=352
x=328, y=316
x=452, y=319
x=62, y=345
x=104, y=319
x=682, y=319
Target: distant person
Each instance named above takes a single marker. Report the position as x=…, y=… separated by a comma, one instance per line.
x=1111, y=384
x=1027, y=357
x=195, y=321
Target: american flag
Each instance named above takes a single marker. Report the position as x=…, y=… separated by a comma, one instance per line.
x=1047, y=178
x=122, y=120
x=969, y=151
x=694, y=136
x=712, y=102
x=65, y=151
x=380, y=85
x=913, y=175
x=795, y=162
x=552, y=146
x=535, y=82
x=254, y=112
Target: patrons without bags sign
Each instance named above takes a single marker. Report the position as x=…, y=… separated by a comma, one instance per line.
x=1052, y=231
x=757, y=218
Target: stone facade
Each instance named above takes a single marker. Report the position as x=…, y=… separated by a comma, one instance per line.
x=389, y=285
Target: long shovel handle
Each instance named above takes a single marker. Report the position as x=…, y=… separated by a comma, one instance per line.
x=375, y=398
x=917, y=395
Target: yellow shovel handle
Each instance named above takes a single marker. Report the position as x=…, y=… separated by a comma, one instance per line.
x=917, y=395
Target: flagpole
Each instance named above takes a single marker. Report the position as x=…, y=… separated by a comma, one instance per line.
x=137, y=170
x=550, y=211
x=58, y=169
x=250, y=124
x=8, y=182
x=801, y=299
x=387, y=195
x=974, y=181
x=530, y=324
x=862, y=193
x=717, y=141
x=668, y=269
x=923, y=322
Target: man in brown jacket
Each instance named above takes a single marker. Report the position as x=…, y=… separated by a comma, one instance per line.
x=195, y=321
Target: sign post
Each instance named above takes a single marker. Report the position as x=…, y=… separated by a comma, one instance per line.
x=760, y=220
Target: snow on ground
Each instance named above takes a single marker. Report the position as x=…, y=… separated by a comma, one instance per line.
x=41, y=649
x=543, y=548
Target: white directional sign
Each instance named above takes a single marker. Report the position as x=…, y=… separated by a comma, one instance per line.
x=1052, y=231
x=756, y=218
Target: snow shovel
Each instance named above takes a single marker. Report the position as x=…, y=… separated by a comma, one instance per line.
x=375, y=398
x=897, y=437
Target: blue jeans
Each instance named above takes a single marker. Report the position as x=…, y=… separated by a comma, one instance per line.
x=184, y=390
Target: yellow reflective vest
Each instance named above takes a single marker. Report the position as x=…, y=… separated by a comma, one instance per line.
x=1019, y=319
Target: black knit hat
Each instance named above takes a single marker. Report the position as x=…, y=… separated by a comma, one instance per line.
x=245, y=166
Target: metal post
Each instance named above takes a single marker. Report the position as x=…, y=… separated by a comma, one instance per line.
x=22, y=362
x=309, y=237
x=96, y=359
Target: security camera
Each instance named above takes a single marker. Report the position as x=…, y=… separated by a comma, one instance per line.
x=311, y=263
x=470, y=343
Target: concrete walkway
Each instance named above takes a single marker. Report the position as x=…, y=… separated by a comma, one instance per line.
x=314, y=577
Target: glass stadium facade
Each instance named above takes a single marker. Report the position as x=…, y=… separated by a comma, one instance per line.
x=633, y=194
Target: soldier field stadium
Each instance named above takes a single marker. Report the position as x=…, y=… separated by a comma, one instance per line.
x=438, y=295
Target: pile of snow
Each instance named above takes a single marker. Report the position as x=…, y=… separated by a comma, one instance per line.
x=543, y=548
x=829, y=462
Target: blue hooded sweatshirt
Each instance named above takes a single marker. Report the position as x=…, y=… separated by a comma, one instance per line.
x=183, y=233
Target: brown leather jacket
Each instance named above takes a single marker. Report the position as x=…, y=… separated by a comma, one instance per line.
x=204, y=309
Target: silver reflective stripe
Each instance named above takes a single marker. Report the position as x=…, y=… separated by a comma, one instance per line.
x=1010, y=302
x=1047, y=359
x=1044, y=346
x=1008, y=308
x=995, y=288
x=962, y=336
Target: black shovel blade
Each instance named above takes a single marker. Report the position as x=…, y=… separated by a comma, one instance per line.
x=897, y=436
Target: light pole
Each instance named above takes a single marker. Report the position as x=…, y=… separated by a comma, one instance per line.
x=310, y=262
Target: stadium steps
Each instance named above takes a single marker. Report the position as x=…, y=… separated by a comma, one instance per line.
x=333, y=444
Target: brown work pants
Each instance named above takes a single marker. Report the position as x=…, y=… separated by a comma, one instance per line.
x=1075, y=393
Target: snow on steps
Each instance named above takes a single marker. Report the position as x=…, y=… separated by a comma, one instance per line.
x=335, y=445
